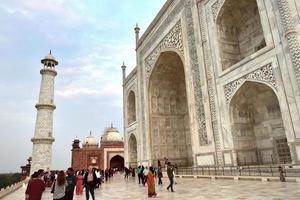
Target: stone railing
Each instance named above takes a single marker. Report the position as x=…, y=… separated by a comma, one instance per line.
x=10, y=189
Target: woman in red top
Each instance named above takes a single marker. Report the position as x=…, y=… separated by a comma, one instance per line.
x=79, y=183
x=35, y=187
x=151, y=183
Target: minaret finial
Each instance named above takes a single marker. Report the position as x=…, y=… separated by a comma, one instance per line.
x=123, y=72
x=90, y=133
x=137, y=36
x=111, y=124
x=50, y=52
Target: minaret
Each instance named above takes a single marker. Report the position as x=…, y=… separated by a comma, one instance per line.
x=123, y=73
x=137, y=34
x=43, y=139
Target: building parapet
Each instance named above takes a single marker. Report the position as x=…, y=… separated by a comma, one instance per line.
x=154, y=22
x=130, y=76
x=10, y=189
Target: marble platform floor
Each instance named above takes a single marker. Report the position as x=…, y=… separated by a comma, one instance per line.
x=188, y=189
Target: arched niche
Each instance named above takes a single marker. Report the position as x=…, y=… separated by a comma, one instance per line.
x=168, y=111
x=131, y=108
x=240, y=31
x=132, y=151
x=257, y=126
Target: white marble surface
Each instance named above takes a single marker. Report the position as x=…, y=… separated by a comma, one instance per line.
x=189, y=189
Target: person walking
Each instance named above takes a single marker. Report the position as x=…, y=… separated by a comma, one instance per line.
x=145, y=174
x=106, y=174
x=126, y=173
x=90, y=181
x=71, y=180
x=59, y=186
x=159, y=175
x=35, y=187
x=139, y=173
x=171, y=176
x=174, y=173
x=133, y=172
x=151, y=182
x=79, y=183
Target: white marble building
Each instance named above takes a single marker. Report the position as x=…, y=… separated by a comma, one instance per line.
x=217, y=82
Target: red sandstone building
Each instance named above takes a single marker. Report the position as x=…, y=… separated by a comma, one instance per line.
x=108, y=154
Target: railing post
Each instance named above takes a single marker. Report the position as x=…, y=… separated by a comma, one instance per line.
x=281, y=174
x=223, y=170
x=272, y=159
x=249, y=170
x=271, y=170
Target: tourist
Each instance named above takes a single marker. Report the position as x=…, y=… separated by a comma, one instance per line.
x=166, y=162
x=139, y=173
x=97, y=172
x=145, y=172
x=71, y=180
x=133, y=172
x=106, y=174
x=158, y=163
x=79, y=183
x=151, y=182
x=159, y=175
x=46, y=179
x=127, y=172
x=89, y=182
x=171, y=176
x=52, y=177
x=59, y=186
x=111, y=172
x=174, y=173
x=35, y=187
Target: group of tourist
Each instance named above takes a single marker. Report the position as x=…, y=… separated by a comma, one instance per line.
x=148, y=176
x=63, y=183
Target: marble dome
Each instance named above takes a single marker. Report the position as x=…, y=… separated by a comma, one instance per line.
x=90, y=141
x=111, y=135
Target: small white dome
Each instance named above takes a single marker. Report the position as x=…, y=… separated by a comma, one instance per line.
x=90, y=141
x=50, y=57
x=111, y=135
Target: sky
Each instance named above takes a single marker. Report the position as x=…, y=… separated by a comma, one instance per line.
x=90, y=39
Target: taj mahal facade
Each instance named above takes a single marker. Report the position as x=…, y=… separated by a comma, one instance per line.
x=216, y=83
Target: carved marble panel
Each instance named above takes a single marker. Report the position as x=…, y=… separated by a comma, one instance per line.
x=264, y=74
x=172, y=40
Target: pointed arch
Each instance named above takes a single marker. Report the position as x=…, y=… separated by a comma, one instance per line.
x=257, y=126
x=168, y=111
x=240, y=32
x=131, y=107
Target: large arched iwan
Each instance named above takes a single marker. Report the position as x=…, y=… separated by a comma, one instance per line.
x=168, y=111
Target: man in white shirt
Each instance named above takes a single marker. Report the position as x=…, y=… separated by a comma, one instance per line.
x=97, y=172
x=145, y=175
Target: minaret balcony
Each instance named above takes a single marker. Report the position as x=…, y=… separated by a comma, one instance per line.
x=45, y=106
x=48, y=70
x=42, y=140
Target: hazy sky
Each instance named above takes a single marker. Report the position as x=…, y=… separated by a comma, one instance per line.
x=90, y=39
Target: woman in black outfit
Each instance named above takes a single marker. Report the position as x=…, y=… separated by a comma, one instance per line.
x=90, y=182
